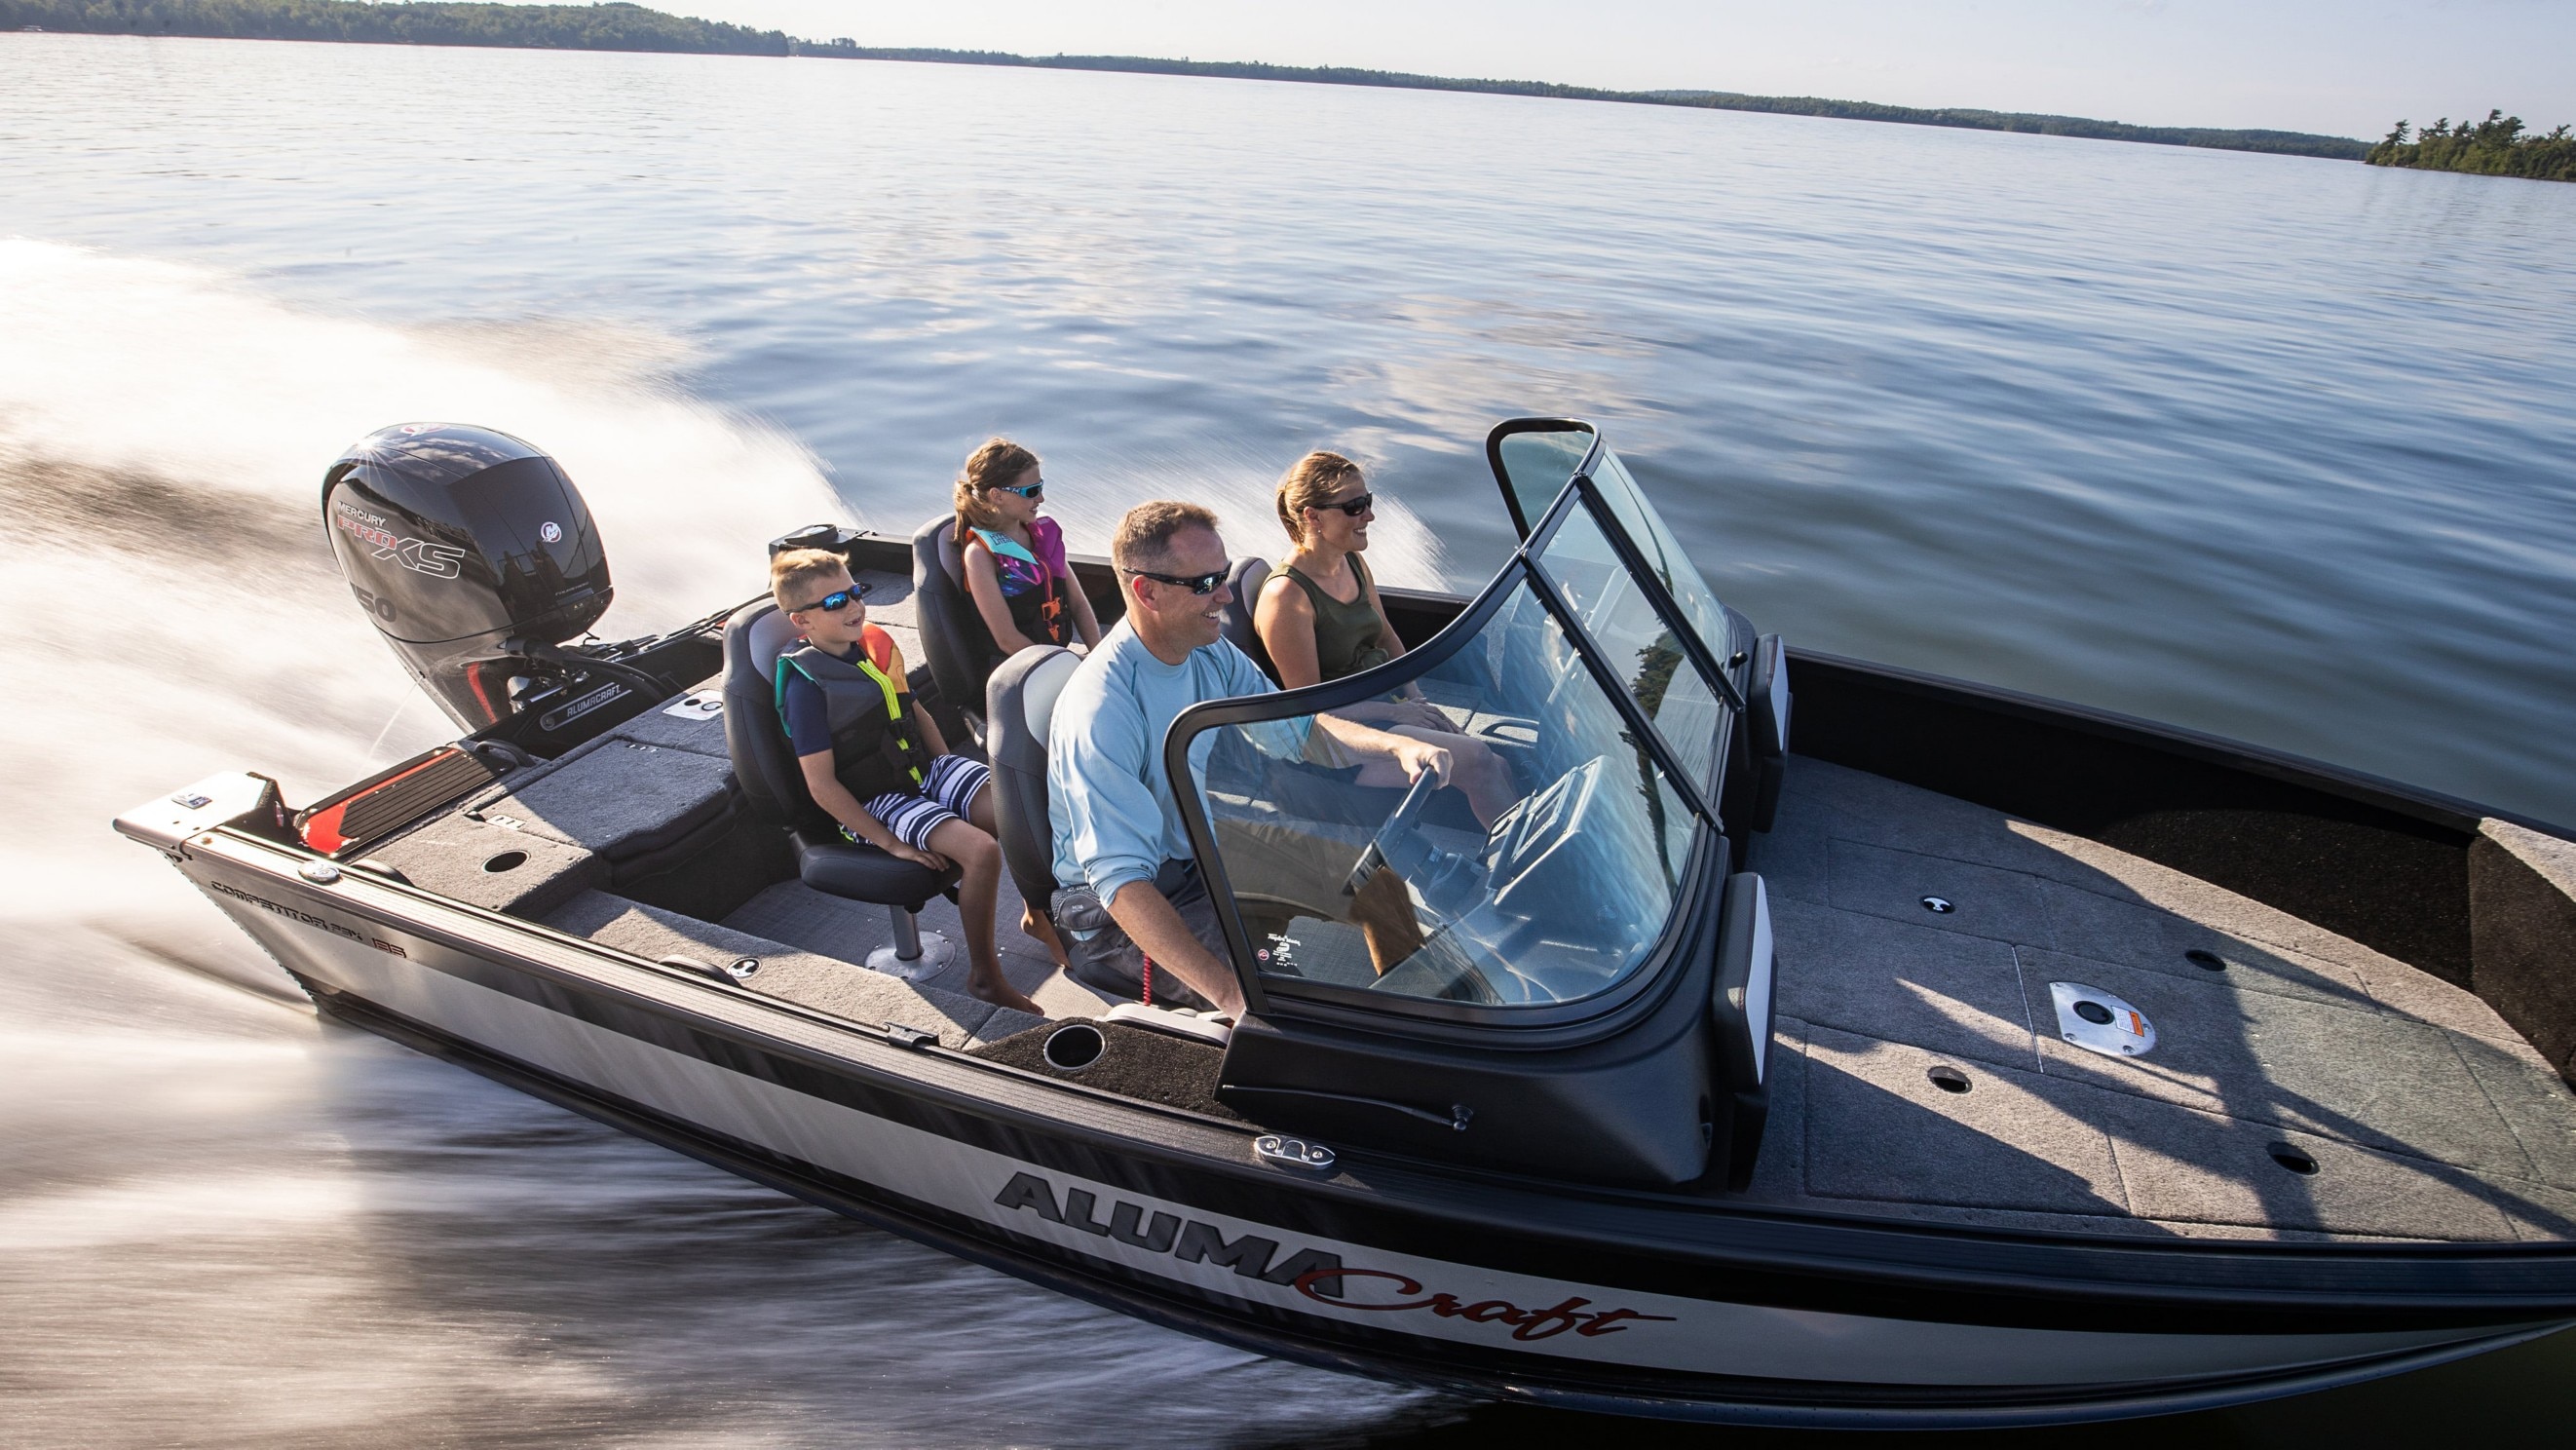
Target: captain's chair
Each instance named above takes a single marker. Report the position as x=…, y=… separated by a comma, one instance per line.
x=957, y=648
x=774, y=788
x=1018, y=704
x=1247, y=577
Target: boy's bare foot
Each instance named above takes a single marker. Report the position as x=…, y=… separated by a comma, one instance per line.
x=998, y=991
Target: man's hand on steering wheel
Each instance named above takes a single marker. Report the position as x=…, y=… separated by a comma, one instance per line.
x=1420, y=758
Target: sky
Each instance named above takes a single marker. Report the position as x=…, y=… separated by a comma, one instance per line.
x=2343, y=67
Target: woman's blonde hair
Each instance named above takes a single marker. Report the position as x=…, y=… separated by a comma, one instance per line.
x=998, y=464
x=1308, y=484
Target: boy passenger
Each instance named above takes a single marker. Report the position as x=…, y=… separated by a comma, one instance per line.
x=875, y=762
x=1131, y=896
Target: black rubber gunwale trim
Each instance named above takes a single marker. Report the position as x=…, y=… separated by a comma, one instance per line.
x=2431, y=807
x=1439, y=1365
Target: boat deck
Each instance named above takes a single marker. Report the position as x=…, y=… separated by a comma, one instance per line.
x=2424, y=1115
x=2418, y=1112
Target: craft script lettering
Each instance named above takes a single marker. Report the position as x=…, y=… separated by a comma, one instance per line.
x=1526, y=1324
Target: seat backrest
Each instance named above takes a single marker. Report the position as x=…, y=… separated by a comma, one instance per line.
x=1246, y=578
x=954, y=641
x=771, y=784
x=1018, y=703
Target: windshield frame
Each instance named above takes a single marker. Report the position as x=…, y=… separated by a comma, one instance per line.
x=1536, y=534
x=1361, y=1008
x=1582, y=491
x=1522, y=524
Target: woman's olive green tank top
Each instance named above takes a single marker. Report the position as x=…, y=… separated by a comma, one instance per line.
x=1346, y=635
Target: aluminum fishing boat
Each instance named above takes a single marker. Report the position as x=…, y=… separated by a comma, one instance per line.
x=1960, y=1058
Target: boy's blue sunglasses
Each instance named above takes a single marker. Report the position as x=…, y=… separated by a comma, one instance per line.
x=837, y=600
x=1032, y=491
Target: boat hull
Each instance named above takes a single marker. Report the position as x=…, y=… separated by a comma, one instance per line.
x=1641, y=1304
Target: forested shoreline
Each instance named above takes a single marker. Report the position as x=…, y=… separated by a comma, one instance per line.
x=534, y=27
x=2500, y=145
x=633, y=27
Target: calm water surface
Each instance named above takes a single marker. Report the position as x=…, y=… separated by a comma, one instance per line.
x=2271, y=447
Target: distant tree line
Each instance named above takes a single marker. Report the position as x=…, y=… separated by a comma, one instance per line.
x=633, y=27
x=545, y=27
x=2496, y=146
x=2294, y=143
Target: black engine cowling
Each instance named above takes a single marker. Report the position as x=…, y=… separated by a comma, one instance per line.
x=469, y=549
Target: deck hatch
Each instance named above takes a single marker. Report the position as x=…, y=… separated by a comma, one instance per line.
x=2096, y=1021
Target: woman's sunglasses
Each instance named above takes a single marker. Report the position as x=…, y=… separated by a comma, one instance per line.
x=837, y=600
x=1196, y=583
x=1034, y=490
x=1352, y=506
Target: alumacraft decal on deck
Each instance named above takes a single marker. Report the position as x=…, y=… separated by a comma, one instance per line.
x=1319, y=1274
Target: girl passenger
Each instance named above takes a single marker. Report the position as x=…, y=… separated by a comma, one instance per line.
x=1016, y=573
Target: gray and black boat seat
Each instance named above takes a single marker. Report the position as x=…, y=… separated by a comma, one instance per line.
x=954, y=643
x=652, y=793
x=1019, y=702
x=1245, y=578
x=774, y=788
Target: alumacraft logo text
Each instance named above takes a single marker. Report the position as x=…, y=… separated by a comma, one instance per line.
x=1315, y=1273
x=436, y=560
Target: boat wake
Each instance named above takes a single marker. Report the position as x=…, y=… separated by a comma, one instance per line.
x=226, y=1221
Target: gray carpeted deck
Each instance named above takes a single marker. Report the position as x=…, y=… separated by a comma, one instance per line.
x=2426, y=1116
x=810, y=979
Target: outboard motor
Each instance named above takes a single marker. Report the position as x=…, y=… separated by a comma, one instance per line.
x=473, y=554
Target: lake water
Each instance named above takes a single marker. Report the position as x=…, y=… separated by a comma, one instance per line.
x=2277, y=448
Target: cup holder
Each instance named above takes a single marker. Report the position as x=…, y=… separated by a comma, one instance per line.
x=506, y=861
x=1074, y=1046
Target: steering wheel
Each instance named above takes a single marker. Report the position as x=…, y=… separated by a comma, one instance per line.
x=1399, y=825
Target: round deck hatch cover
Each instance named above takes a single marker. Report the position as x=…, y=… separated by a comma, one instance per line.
x=2096, y=1021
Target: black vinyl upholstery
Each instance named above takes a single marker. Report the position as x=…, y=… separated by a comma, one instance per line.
x=775, y=789
x=958, y=649
x=1246, y=578
x=1018, y=703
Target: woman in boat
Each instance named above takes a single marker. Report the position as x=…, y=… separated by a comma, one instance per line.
x=1320, y=619
x=1016, y=573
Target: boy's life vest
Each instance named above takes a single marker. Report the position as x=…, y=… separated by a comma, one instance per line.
x=877, y=747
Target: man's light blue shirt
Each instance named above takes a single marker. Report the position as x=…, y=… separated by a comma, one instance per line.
x=1114, y=814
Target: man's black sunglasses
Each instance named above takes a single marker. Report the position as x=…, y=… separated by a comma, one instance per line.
x=1196, y=583
x=1352, y=506
x=837, y=600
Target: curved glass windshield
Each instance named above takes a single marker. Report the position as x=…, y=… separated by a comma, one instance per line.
x=1544, y=873
x=1664, y=556
x=1640, y=646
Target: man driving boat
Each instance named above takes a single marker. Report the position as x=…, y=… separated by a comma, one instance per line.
x=1131, y=901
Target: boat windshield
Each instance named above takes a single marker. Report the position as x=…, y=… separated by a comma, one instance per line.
x=1638, y=644
x=1664, y=557
x=1544, y=874
x=1536, y=459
